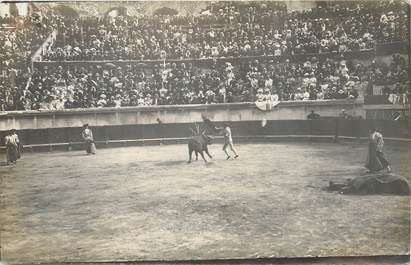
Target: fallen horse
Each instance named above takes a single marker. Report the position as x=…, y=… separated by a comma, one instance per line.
x=377, y=183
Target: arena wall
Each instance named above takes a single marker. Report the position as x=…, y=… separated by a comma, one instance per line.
x=134, y=8
x=174, y=114
x=47, y=130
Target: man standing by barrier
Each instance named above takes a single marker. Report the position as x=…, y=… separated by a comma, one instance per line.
x=87, y=135
x=375, y=159
x=16, y=139
x=313, y=115
x=228, y=141
x=11, y=145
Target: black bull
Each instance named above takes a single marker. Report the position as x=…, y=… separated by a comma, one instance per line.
x=199, y=144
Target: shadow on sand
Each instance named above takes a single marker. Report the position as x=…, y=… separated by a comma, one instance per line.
x=171, y=163
x=4, y=164
x=82, y=154
x=184, y=162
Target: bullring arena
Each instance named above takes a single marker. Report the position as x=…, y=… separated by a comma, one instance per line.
x=308, y=90
x=147, y=203
x=140, y=200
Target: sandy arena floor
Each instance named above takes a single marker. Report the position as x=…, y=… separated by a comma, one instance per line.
x=147, y=203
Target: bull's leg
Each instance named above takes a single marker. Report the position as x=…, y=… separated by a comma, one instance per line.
x=202, y=155
x=206, y=150
x=196, y=154
x=190, y=152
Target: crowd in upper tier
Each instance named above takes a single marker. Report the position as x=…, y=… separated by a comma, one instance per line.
x=232, y=30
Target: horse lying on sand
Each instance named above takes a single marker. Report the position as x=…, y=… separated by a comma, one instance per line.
x=373, y=183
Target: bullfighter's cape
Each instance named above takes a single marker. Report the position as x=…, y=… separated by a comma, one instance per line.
x=210, y=126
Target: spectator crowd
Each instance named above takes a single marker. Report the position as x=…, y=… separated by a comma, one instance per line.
x=232, y=30
x=225, y=29
x=108, y=85
x=19, y=37
x=394, y=78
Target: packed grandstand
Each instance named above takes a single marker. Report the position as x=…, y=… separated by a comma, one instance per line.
x=228, y=52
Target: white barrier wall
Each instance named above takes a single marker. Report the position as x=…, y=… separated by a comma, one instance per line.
x=175, y=114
